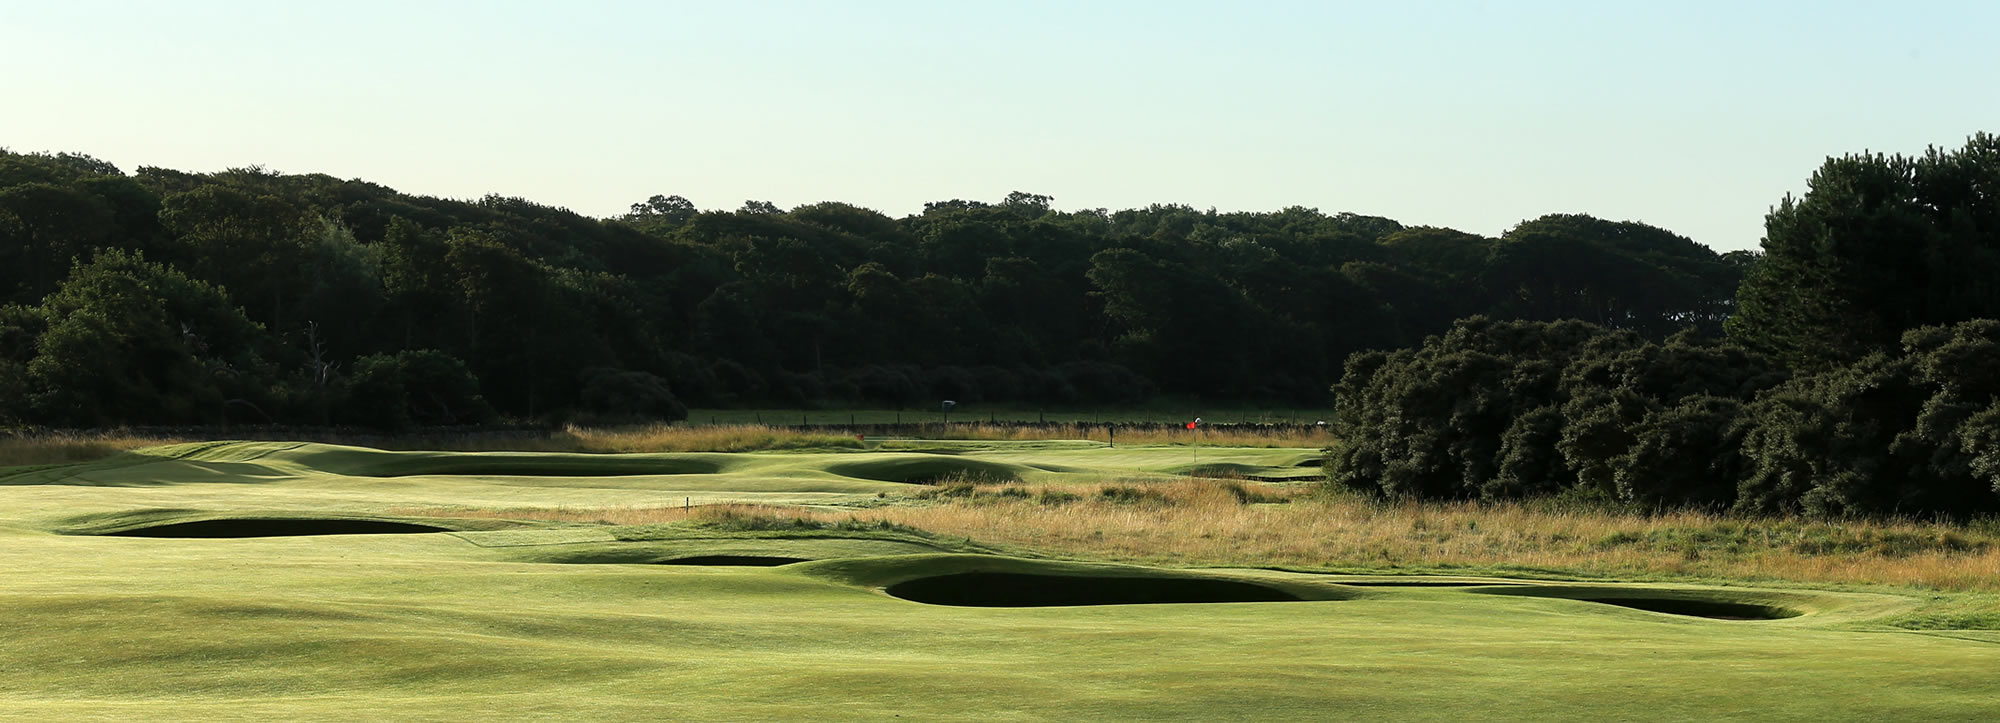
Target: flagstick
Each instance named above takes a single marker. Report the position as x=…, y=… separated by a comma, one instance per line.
x=1197, y=443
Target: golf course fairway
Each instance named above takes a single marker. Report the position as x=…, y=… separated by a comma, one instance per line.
x=260, y=580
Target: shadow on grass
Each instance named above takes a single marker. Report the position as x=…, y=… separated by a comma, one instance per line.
x=1713, y=609
x=734, y=560
x=275, y=527
x=1007, y=589
x=1712, y=604
x=1420, y=583
x=535, y=465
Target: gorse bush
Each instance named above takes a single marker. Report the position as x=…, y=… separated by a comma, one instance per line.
x=1501, y=410
x=1911, y=432
x=1509, y=410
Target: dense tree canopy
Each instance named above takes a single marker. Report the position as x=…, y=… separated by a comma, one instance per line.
x=1876, y=246
x=1858, y=378
x=334, y=284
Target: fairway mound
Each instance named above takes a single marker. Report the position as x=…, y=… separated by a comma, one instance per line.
x=275, y=527
x=926, y=469
x=1008, y=589
x=1422, y=583
x=1712, y=604
x=734, y=560
x=689, y=546
x=368, y=462
x=539, y=465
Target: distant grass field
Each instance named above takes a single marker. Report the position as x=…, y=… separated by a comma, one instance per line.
x=692, y=436
x=973, y=414
x=857, y=583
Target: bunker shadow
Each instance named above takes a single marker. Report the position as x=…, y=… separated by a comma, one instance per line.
x=275, y=527
x=734, y=560
x=1010, y=589
x=1717, y=605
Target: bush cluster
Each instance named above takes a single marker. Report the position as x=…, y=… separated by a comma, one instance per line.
x=1509, y=410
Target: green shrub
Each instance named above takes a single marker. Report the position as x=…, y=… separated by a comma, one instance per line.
x=630, y=396
x=423, y=387
x=1131, y=496
x=1057, y=497
x=1509, y=410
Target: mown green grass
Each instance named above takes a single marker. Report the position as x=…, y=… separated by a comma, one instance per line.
x=535, y=619
x=969, y=414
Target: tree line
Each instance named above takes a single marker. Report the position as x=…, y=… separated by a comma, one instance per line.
x=166, y=297
x=1858, y=373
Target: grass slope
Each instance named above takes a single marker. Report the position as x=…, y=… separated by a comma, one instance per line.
x=523, y=619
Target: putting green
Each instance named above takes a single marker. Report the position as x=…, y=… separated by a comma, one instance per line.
x=529, y=620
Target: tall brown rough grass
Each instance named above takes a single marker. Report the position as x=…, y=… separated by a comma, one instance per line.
x=1227, y=523
x=71, y=447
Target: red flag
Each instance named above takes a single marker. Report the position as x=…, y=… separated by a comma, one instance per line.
x=1190, y=425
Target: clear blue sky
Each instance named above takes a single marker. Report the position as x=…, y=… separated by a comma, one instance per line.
x=1694, y=116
